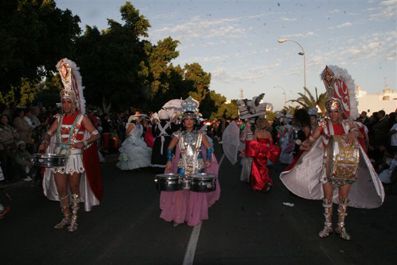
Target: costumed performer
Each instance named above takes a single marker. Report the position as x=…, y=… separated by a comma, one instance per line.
x=260, y=149
x=72, y=134
x=134, y=152
x=162, y=130
x=193, y=155
x=286, y=140
x=335, y=167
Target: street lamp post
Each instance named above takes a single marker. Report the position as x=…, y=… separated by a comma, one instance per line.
x=302, y=53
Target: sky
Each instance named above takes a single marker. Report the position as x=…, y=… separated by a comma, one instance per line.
x=236, y=40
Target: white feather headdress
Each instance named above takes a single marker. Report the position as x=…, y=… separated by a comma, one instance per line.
x=72, y=85
x=340, y=86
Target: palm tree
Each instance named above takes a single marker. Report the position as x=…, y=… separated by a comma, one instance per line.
x=307, y=100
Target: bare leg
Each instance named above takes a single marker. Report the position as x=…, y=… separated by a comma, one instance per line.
x=327, y=204
x=74, y=181
x=61, y=184
x=342, y=211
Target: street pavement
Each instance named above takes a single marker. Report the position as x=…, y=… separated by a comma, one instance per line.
x=244, y=227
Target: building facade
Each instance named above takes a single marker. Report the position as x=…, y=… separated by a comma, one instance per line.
x=373, y=102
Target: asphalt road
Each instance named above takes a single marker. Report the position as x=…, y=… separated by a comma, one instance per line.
x=244, y=227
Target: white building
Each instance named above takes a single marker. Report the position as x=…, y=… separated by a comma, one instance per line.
x=386, y=100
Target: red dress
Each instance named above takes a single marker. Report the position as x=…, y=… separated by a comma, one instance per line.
x=260, y=150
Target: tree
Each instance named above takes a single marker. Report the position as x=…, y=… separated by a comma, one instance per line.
x=49, y=90
x=308, y=100
x=211, y=103
x=227, y=110
x=159, y=71
x=200, y=80
x=34, y=36
x=111, y=62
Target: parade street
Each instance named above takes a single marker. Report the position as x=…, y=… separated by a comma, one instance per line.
x=244, y=227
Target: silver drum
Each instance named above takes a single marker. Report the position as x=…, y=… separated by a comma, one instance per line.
x=202, y=182
x=49, y=160
x=168, y=182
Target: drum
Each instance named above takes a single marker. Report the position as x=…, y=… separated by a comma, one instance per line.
x=345, y=158
x=202, y=183
x=49, y=160
x=168, y=182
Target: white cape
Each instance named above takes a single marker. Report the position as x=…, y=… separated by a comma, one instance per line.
x=231, y=142
x=304, y=179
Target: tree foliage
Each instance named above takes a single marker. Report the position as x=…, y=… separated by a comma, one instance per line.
x=34, y=35
x=120, y=68
x=307, y=100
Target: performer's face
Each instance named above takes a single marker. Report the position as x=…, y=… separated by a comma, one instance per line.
x=188, y=122
x=335, y=116
x=328, y=76
x=67, y=106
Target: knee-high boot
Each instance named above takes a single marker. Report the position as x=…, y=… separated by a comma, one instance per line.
x=342, y=213
x=327, y=229
x=64, y=202
x=75, y=209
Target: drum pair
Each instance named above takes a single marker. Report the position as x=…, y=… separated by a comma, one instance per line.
x=201, y=182
x=49, y=160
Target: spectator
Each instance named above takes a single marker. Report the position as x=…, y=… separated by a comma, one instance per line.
x=5, y=206
x=379, y=141
x=386, y=174
x=8, y=138
x=363, y=118
x=393, y=136
x=23, y=128
x=23, y=160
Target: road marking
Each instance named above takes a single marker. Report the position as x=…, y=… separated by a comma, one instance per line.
x=192, y=245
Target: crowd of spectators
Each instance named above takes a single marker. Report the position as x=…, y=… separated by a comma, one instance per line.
x=21, y=130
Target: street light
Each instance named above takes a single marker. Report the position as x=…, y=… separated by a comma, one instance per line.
x=302, y=53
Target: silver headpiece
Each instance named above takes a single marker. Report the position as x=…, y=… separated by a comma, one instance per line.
x=190, y=105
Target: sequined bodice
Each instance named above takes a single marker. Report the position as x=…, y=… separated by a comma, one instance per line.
x=190, y=148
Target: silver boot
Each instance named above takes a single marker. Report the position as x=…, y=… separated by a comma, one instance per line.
x=327, y=229
x=64, y=202
x=75, y=209
x=342, y=213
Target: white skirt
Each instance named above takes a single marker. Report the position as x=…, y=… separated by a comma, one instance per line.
x=74, y=163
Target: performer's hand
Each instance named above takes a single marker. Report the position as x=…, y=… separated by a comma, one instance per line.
x=42, y=147
x=168, y=166
x=306, y=145
x=79, y=145
x=351, y=138
x=207, y=163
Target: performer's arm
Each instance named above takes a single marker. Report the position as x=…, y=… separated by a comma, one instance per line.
x=210, y=150
x=353, y=133
x=94, y=134
x=171, y=146
x=307, y=144
x=130, y=127
x=47, y=137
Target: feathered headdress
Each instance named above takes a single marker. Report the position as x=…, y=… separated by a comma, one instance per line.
x=340, y=91
x=72, y=85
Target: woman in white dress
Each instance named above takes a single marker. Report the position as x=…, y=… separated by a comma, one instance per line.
x=134, y=152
